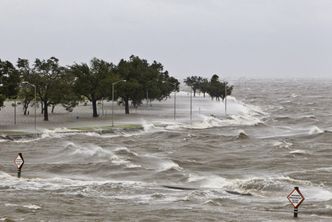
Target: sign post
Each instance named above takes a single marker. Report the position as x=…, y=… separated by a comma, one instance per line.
x=19, y=162
x=296, y=198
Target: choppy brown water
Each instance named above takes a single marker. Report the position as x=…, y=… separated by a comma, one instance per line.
x=278, y=135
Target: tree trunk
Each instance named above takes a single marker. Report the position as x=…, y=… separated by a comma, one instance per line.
x=53, y=106
x=194, y=92
x=45, y=110
x=94, y=108
x=126, y=105
x=25, y=108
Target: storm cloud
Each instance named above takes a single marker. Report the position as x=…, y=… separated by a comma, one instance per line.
x=233, y=38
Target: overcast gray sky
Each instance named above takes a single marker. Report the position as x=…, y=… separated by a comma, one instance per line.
x=233, y=38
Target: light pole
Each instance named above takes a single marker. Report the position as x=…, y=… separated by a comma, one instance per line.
x=35, y=88
x=174, y=84
x=191, y=105
x=113, y=84
x=225, y=100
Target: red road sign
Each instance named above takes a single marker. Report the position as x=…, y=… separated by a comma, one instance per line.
x=296, y=197
x=19, y=161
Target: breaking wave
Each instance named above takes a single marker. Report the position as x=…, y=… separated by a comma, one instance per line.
x=315, y=130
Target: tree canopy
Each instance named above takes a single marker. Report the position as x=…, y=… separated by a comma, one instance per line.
x=134, y=80
x=93, y=81
x=143, y=81
x=50, y=79
x=215, y=87
x=9, y=81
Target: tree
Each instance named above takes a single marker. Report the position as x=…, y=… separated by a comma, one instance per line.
x=143, y=81
x=193, y=82
x=218, y=89
x=64, y=94
x=93, y=82
x=48, y=77
x=26, y=93
x=204, y=86
x=9, y=81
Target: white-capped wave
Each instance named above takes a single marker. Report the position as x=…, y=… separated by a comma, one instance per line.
x=315, y=130
x=282, y=144
x=147, y=126
x=326, y=169
x=167, y=165
x=32, y=206
x=158, y=163
x=195, y=178
x=316, y=194
x=231, y=120
x=217, y=182
x=56, y=183
x=124, y=150
x=156, y=126
x=89, y=153
x=3, y=140
x=88, y=150
x=298, y=152
x=241, y=134
x=54, y=133
x=238, y=113
x=255, y=185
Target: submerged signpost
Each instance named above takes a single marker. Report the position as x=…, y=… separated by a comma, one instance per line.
x=19, y=162
x=296, y=198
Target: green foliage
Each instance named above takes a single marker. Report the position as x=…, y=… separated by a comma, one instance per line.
x=215, y=88
x=93, y=82
x=196, y=83
x=143, y=81
x=9, y=81
x=52, y=82
x=204, y=86
x=55, y=84
x=218, y=89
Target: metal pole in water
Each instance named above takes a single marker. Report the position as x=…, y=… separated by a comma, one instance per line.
x=174, y=105
x=191, y=105
x=112, y=103
x=113, y=85
x=35, y=110
x=102, y=106
x=19, y=162
x=296, y=210
x=15, y=111
x=296, y=198
x=225, y=100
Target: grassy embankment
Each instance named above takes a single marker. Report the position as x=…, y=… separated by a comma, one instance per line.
x=17, y=134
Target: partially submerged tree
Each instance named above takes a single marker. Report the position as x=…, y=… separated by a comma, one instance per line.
x=93, y=82
x=26, y=92
x=48, y=76
x=143, y=81
x=218, y=89
x=193, y=82
x=9, y=81
x=50, y=79
x=204, y=86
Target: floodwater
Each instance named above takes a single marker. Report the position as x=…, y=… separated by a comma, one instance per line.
x=277, y=135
